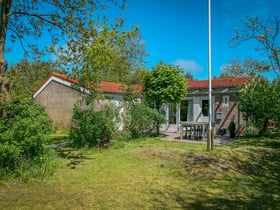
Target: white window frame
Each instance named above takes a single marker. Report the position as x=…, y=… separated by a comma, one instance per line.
x=225, y=101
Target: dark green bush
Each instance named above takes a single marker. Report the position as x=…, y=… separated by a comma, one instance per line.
x=141, y=120
x=9, y=158
x=27, y=126
x=24, y=131
x=92, y=128
x=231, y=129
x=260, y=103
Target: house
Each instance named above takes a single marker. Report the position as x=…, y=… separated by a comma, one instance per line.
x=58, y=95
x=194, y=107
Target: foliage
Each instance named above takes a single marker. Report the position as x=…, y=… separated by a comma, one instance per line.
x=137, y=77
x=112, y=56
x=25, y=23
x=232, y=128
x=164, y=84
x=9, y=159
x=91, y=127
x=248, y=67
x=141, y=120
x=61, y=20
x=189, y=76
x=251, y=130
x=26, y=126
x=24, y=131
x=131, y=94
x=260, y=102
x=27, y=77
x=39, y=167
x=266, y=33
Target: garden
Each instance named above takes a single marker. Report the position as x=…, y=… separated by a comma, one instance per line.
x=149, y=173
x=99, y=167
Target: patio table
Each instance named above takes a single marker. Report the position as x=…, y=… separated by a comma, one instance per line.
x=194, y=126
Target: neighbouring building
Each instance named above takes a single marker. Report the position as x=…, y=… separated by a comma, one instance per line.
x=58, y=95
x=194, y=107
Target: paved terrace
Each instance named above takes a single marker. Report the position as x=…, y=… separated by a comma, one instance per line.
x=175, y=136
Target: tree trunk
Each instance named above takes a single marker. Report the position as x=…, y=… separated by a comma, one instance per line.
x=4, y=83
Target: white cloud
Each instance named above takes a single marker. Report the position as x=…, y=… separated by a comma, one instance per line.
x=222, y=67
x=188, y=65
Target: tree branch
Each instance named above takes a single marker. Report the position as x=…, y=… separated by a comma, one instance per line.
x=39, y=16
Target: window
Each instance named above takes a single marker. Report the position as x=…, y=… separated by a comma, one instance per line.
x=184, y=111
x=205, y=108
x=219, y=115
x=225, y=101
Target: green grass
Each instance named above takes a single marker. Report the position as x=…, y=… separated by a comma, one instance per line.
x=58, y=137
x=156, y=174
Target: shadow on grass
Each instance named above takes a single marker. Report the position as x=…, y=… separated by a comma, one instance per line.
x=55, y=139
x=207, y=200
x=251, y=180
x=257, y=141
x=74, y=156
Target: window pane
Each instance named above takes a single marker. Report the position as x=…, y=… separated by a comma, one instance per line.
x=225, y=101
x=205, y=107
x=184, y=111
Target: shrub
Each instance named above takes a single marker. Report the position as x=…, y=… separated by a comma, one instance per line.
x=231, y=129
x=39, y=167
x=260, y=102
x=251, y=130
x=28, y=127
x=142, y=120
x=24, y=131
x=9, y=158
x=92, y=128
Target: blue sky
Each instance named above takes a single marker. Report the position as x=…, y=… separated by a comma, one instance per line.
x=176, y=31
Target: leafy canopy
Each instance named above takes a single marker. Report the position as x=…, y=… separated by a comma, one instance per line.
x=27, y=77
x=26, y=22
x=29, y=20
x=112, y=55
x=260, y=102
x=164, y=84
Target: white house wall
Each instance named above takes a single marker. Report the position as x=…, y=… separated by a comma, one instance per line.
x=197, y=109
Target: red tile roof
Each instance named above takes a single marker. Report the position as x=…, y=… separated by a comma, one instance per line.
x=223, y=82
x=115, y=87
x=104, y=86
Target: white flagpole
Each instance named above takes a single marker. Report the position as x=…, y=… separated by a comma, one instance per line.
x=209, y=146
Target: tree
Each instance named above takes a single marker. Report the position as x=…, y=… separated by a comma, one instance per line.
x=164, y=84
x=266, y=33
x=29, y=20
x=27, y=77
x=112, y=55
x=248, y=67
x=260, y=102
x=189, y=76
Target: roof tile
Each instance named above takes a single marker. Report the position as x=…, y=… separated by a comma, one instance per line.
x=222, y=82
x=104, y=86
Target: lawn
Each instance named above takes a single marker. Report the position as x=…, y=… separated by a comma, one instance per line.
x=156, y=174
